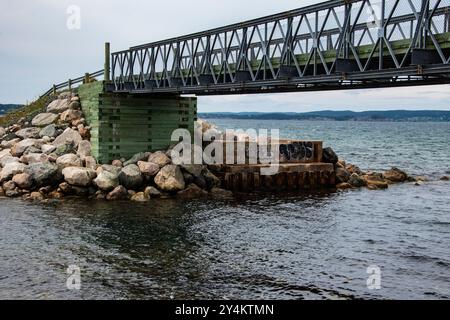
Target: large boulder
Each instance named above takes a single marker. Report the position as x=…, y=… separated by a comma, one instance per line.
x=84, y=149
x=148, y=169
x=159, y=158
x=23, y=180
x=48, y=131
x=356, y=181
x=44, y=119
x=119, y=193
x=112, y=169
x=211, y=180
x=194, y=169
x=395, y=175
x=65, y=149
x=11, y=169
x=68, y=136
x=81, y=177
x=43, y=174
x=68, y=160
x=219, y=193
x=140, y=197
x=136, y=158
x=191, y=192
x=152, y=192
x=130, y=177
x=106, y=181
x=27, y=133
x=19, y=148
x=70, y=115
x=170, y=178
x=58, y=106
x=342, y=175
x=90, y=162
x=329, y=156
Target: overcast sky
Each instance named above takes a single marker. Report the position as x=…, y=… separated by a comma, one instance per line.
x=37, y=49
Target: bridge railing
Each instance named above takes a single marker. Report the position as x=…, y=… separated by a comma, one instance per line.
x=317, y=43
x=71, y=83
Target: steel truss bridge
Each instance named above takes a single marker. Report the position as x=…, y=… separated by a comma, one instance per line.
x=338, y=44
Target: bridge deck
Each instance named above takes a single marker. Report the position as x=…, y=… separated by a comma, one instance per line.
x=332, y=45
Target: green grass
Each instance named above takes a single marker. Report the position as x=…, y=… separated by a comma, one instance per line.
x=29, y=111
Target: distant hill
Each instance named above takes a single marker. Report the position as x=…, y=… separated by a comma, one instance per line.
x=5, y=108
x=394, y=115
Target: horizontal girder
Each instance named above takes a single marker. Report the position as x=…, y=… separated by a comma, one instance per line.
x=332, y=45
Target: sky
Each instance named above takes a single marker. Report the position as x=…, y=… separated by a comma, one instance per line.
x=39, y=48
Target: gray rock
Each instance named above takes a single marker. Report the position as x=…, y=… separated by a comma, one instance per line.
x=130, y=177
x=342, y=175
x=74, y=104
x=191, y=192
x=58, y=105
x=211, y=180
x=170, y=178
x=159, y=158
x=44, y=119
x=219, y=193
x=43, y=174
x=194, y=169
x=395, y=175
x=27, y=133
x=8, y=159
x=4, y=153
x=48, y=131
x=107, y=181
x=356, y=181
x=23, y=181
x=2, y=132
x=329, y=156
x=11, y=169
x=33, y=149
x=7, y=144
x=68, y=136
x=152, y=192
x=90, y=162
x=148, y=169
x=64, y=149
x=48, y=148
x=81, y=177
x=19, y=148
x=137, y=157
x=68, y=160
x=84, y=149
x=113, y=169
x=34, y=158
x=119, y=193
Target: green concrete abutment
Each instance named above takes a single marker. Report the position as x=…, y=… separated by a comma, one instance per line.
x=124, y=124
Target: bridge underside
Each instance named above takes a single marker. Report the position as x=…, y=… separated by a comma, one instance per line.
x=330, y=46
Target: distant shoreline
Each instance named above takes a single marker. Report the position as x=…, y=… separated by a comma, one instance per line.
x=365, y=116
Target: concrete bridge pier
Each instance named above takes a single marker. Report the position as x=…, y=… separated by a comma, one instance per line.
x=124, y=124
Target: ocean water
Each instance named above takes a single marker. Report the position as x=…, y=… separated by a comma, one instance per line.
x=283, y=246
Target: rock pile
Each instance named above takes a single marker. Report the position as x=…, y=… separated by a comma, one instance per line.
x=49, y=157
x=349, y=176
